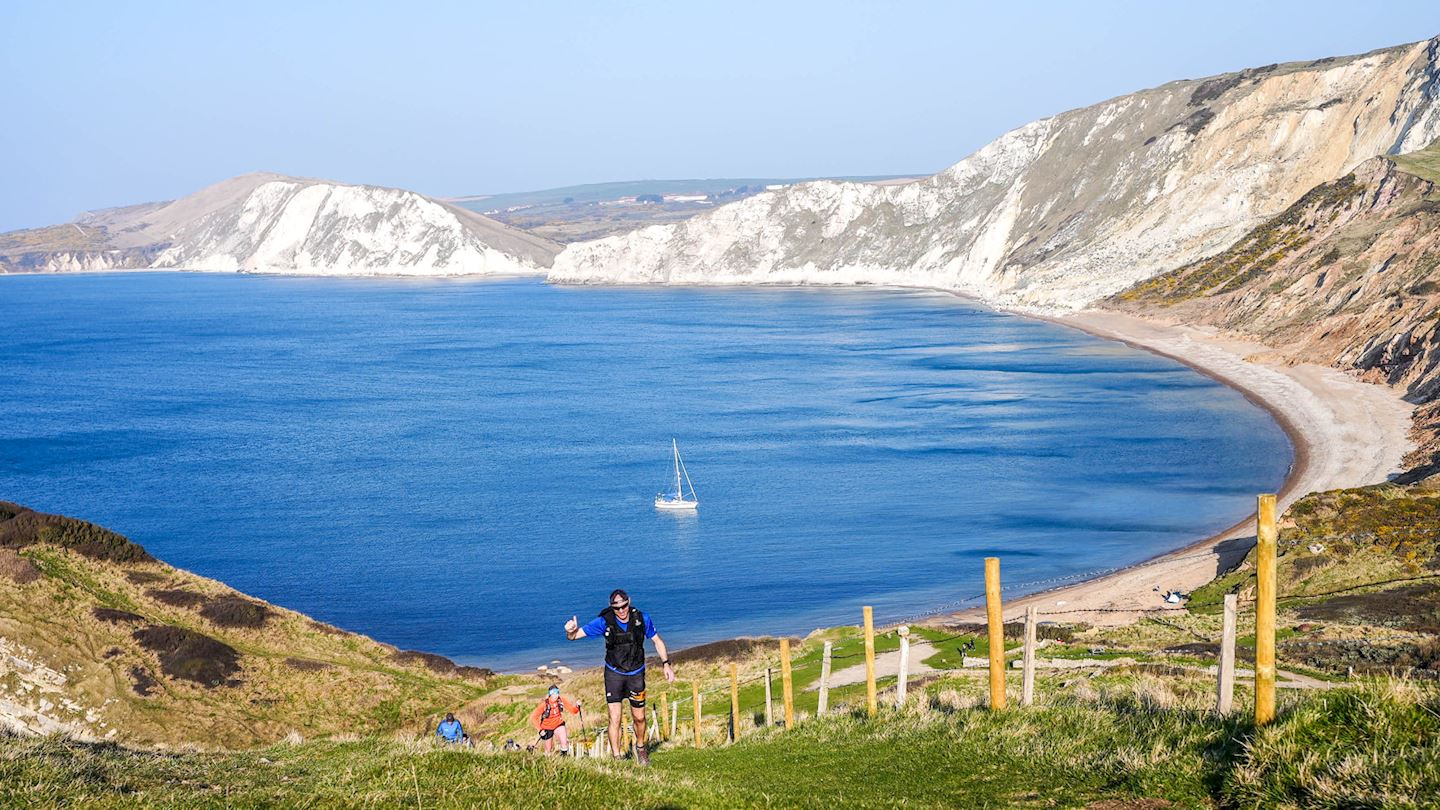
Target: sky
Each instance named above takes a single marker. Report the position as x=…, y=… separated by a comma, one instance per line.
x=113, y=103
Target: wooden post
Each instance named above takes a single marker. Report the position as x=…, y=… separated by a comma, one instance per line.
x=994, y=615
x=734, y=702
x=903, y=681
x=674, y=718
x=695, y=693
x=1027, y=682
x=787, y=689
x=825, y=679
x=1225, y=697
x=769, y=713
x=869, y=615
x=1266, y=537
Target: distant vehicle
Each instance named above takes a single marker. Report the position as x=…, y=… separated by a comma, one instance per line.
x=676, y=500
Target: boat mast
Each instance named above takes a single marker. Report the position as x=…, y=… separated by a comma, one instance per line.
x=688, y=481
x=679, y=493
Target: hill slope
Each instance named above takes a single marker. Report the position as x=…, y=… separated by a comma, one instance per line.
x=267, y=223
x=1068, y=209
x=101, y=641
x=1369, y=747
x=1347, y=276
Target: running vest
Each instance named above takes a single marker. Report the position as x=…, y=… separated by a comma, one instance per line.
x=624, y=649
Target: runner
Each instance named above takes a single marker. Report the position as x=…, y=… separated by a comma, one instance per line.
x=625, y=630
x=549, y=719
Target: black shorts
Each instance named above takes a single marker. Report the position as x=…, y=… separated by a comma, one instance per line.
x=548, y=733
x=625, y=687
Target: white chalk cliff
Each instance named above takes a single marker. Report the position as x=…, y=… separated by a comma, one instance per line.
x=1066, y=210
x=268, y=223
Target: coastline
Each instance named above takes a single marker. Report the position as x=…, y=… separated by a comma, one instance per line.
x=1345, y=433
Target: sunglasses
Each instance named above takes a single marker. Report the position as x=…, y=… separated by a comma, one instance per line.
x=621, y=606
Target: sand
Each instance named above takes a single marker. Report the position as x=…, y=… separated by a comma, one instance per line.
x=1346, y=433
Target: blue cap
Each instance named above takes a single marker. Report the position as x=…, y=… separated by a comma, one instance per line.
x=554, y=690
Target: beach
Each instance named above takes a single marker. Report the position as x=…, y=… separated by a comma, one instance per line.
x=1346, y=433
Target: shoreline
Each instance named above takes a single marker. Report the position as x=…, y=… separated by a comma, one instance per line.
x=1344, y=433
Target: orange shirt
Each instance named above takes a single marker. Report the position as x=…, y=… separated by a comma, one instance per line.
x=558, y=707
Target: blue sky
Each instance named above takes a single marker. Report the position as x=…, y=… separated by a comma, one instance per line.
x=121, y=102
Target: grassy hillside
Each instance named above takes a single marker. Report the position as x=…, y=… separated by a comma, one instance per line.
x=1374, y=746
x=99, y=636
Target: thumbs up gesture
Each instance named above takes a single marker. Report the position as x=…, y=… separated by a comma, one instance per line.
x=572, y=625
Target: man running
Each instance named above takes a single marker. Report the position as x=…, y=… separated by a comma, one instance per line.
x=625, y=630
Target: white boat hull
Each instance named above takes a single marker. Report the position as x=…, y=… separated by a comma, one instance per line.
x=664, y=503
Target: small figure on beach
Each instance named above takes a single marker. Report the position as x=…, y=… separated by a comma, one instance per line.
x=625, y=629
x=549, y=719
x=450, y=730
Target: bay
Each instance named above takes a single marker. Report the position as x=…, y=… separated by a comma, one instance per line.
x=459, y=466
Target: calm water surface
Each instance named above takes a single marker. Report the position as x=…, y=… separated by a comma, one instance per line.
x=459, y=467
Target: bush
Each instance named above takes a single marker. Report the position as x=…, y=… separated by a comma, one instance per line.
x=191, y=656
x=21, y=527
x=236, y=611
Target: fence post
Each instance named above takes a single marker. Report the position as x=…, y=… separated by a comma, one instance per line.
x=674, y=718
x=1265, y=542
x=1027, y=681
x=869, y=615
x=787, y=686
x=1225, y=696
x=734, y=702
x=824, y=679
x=695, y=693
x=769, y=713
x=996, y=619
x=903, y=681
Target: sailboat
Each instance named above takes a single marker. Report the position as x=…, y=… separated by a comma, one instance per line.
x=676, y=500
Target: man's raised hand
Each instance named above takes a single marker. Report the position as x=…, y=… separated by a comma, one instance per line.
x=572, y=625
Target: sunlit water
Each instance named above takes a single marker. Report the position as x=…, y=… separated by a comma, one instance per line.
x=459, y=467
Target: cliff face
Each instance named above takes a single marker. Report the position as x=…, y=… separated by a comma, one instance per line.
x=264, y=223
x=1067, y=210
x=1347, y=276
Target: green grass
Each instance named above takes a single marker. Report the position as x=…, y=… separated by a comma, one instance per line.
x=1424, y=163
x=1373, y=746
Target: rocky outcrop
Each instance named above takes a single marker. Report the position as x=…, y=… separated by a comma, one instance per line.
x=1067, y=210
x=265, y=223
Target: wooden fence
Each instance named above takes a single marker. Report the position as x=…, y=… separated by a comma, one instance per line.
x=1265, y=673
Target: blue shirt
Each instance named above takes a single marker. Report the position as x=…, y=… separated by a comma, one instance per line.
x=449, y=730
x=596, y=627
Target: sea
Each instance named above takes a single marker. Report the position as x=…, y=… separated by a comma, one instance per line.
x=460, y=466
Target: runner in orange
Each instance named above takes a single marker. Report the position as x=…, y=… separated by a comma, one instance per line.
x=549, y=719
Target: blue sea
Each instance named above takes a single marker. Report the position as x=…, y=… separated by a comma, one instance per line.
x=460, y=466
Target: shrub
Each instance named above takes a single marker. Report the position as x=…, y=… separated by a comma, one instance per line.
x=236, y=611
x=191, y=656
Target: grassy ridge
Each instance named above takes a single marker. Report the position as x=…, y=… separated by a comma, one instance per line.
x=1373, y=746
x=98, y=635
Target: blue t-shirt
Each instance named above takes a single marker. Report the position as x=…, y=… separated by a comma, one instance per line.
x=596, y=627
x=449, y=730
